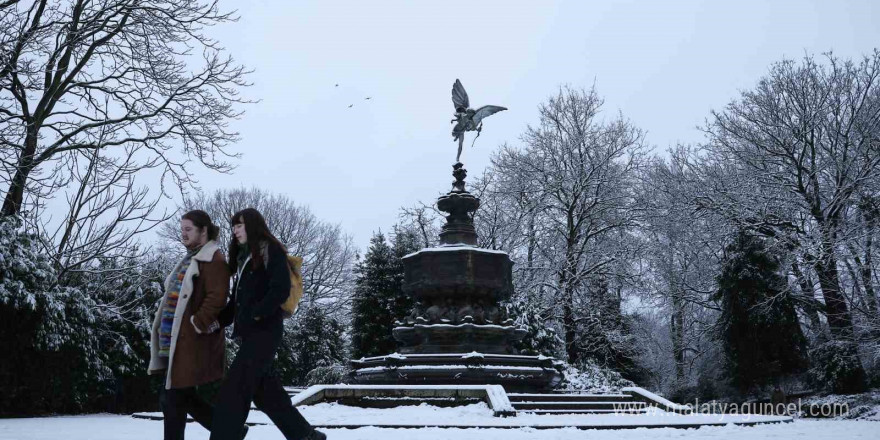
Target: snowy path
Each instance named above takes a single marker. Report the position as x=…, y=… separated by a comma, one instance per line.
x=479, y=415
x=116, y=427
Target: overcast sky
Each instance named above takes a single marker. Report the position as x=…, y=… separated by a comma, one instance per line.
x=664, y=65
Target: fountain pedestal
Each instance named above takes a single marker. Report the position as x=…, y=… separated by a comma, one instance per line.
x=457, y=332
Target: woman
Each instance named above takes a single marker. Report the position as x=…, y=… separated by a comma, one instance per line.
x=185, y=345
x=262, y=284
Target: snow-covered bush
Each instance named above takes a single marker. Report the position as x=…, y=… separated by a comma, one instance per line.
x=540, y=338
x=832, y=365
x=67, y=346
x=51, y=360
x=592, y=378
x=312, y=339
x=863, y=406
x=329, y=375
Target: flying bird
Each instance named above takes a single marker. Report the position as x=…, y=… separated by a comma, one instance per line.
x=368, y=97
x=466, y=118
x=351, y=105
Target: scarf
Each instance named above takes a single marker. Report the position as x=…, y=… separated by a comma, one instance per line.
x=170, y=307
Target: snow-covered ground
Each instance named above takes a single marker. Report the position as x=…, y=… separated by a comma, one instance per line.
x=116, y=427
x=479, y=415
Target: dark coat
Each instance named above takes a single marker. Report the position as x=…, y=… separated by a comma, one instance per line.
x=196, y=358
x=258, y=293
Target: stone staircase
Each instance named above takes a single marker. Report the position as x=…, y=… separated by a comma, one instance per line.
x=583, y=411
x=632, y=401
x=292, y=391
x=575, y=403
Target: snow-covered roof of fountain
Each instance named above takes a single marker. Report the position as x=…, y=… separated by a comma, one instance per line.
x=455, y=247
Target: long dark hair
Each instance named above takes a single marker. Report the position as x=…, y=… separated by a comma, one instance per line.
x=201, y=219
x=257, y=232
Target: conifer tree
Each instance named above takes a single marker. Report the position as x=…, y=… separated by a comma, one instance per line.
x=378, y=300
x=532, y=316
x=604, y=333
x=758, y=325
x=369, y=335
x=312, y=340
x=406, y=241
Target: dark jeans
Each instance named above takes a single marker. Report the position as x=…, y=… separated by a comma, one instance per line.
x=250, y=377
x=176, y=403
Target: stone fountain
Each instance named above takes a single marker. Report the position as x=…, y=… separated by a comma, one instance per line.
x=458, y=332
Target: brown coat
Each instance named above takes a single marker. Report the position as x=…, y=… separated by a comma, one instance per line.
x=195, y=358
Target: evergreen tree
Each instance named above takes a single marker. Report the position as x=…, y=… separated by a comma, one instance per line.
x=378, y=300
x=313, y=339
x=758, y=325
x=57, y=358
x=406, y=241
x=541, y=338
x=370, y=335
x=604, y=334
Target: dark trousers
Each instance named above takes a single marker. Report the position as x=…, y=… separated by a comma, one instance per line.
x=176, y=403
x=250, y=377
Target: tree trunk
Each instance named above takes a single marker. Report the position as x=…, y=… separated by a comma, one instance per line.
x=870, y=215
x=569, y=284
x=568, y=318
x=676, y=325
x=851, y=375
x=836, y=310
x=808, y=305
x=568, y=323
x=15, y=193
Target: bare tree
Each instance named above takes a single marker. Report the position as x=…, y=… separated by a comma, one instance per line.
x=810, y=134
x=682, y=257
x=423, y=219
x=106, y=213
x=579, y=172
x=328, y=253
x=78, y=77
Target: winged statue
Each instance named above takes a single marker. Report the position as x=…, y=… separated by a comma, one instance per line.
x=466, y=118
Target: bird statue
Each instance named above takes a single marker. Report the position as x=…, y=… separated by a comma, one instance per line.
x=466, y=118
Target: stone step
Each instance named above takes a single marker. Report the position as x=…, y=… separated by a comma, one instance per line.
x=292, y=391
x=392, y=402
x=522, y=397
x=609, y=406
x=581, y=411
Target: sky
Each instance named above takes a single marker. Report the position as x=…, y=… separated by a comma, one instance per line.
x=663, y=65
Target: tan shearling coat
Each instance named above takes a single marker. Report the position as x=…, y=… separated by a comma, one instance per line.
x=195, y=358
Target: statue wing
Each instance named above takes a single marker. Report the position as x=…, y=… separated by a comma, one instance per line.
x=486, y=111
x=459, y=96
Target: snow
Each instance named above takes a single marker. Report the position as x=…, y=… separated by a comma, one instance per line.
x=864, y=406
x=466, y=325
x=452, y=355
x=649, y=395
x=585, y=395
x=456, y=247
x=120, y=427
x=497, y=397
x=480, y=415
x=448, y=367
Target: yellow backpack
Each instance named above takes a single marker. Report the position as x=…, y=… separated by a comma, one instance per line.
x=289, y=307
